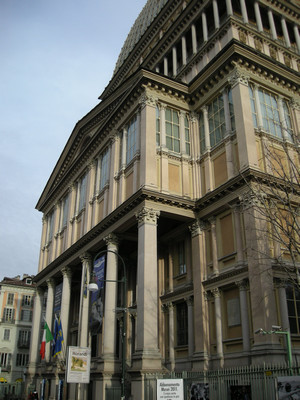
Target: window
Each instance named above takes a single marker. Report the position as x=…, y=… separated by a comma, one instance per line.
x=293, y=303
x=6, y=334
x=24, y=338
x=22, y=360
x=216, y=121
x=65, y=211
x=8, y=314
x=26, y=315
x=50, y=226
x=187, y=135
x=157, y=127
x=179, y=259
x=27, y=300
x=172, y=130
x=202, y=133
x=10, y=299
x=104, y=168
x=275, y=113
x=82, y=192
x=5, y=359
x=182, y=324
x=131, y=140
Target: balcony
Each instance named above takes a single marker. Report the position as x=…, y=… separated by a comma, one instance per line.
x=23, y=344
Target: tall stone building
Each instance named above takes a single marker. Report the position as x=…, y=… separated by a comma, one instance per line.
x=156, y=177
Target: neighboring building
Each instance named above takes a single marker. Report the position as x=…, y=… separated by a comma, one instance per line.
x=154, y=174
x=16, y=307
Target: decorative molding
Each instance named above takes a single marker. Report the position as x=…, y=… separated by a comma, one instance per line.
x=238, y=77
x=147, y=215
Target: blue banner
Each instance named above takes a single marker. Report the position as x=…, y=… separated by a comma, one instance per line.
x=97, y=297
x=58, y=337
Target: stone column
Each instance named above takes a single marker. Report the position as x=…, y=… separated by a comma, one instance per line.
x=147, y=296
x=65, y=302
x=111, y=288
x=229, y=7
x=182, y=115
x=174, y=60
x=216, y=14
x=35, y=342
x=190, y=305
x=258, y=17
x=123, y=166
x=49, y=313
x=244, y=11
x=285, y=32
x=201, y=338
x=284, y=314
x=214, y=246
x=297, y=36
x=171, y=337
x=243, y=287
x=272, y=24
x=238, y=234
x=165, y=66
x=218, y=315
x=183, y=46
x=194, y=38
x=91, y=186
x=285, y=133
x=83, y=330
x=204, y=27
x=258, y=109
x=113, y=168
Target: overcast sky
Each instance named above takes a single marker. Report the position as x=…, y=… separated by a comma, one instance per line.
x=57, y=56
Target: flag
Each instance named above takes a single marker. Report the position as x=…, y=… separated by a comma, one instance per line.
x=47, y=337
x=58, y=338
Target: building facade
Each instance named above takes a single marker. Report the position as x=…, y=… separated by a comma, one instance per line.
x=16, y=305
x=159, y=176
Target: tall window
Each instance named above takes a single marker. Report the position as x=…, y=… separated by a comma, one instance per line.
x=6, y=335
x=104, y=168
x=157, y=127
x=50, y=226
x=216, y=121
x=182, y=324
x=24, y=338
x=8, y=314
x=26, y=315
x=202, y=133
x=293, y=303
x=65, y=211
x=5, y=359
x=179, y=258
x=172, y=130
x=82, y=192
x=131, y=140
x=27, y=300
x=10, y=299
x=22, y=360
x=187, y=135
x=269, y=105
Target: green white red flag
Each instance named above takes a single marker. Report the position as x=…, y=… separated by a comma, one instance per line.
x=47, y=337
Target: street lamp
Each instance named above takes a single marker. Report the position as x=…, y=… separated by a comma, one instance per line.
x=277, y=330
x=93, y=287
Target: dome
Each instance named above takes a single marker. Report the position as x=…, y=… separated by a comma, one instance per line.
x=146, y=16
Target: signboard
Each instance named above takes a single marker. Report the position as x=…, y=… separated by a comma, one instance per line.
x=169, y=389
x=57, y=298
x=78, y=364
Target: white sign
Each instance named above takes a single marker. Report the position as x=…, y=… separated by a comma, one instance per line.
x=169, y=389
x=78, y=367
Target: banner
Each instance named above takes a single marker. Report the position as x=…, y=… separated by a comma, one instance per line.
x=169, y=389
x=97, y=298
x=57, y=298
x=78, y=364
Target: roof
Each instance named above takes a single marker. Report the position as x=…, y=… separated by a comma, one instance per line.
x=146, y=16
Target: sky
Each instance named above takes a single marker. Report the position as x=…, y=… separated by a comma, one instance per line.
x=56, y=59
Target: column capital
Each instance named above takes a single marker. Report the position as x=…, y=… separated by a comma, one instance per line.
x=51, y=283
x=112, y=239
x=66, y=272
x=280, y=283
x=85, y=257
x=189, y=301
x=216, y=292
x=238, y=77
x=147, y=215
x=147, y=100
x=197, y=228
x=40, y=291
x=242, y=284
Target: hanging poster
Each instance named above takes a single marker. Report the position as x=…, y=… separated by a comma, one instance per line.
x=97, y=298
x=169, y=389
x=57, y=299
x=78, y=364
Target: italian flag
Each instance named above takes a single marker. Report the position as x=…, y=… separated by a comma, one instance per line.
x=47, y=337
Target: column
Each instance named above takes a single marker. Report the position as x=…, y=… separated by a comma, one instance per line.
x=206, y=127
x=285, y=32
x=216, y=14
x=238, y=234
x=194, y=38
x=285, y=132
x=123, y=166
x=91, y=183
x=65, y=302
x=174, y=59
x=35, y=331
x=218, y=314
x=214, y=245
x=258, y=109
x=284, y=314
x=166, y=66
x=258, y=17
x=83, y=329
x=49, y=313
x=297, y=36
x=204, y=27
x=147, y=301
x=171, y=336
x=190, y=305
x=114, y=167
x=111, y=288
x=182, y=115
x=183, y=46
x=272, y=24
x=244, y=11
x=72, y=194
x=243, y=287
x=229, y=7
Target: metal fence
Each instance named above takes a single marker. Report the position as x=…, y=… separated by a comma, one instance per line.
x=11, y=391
x=250, y=382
